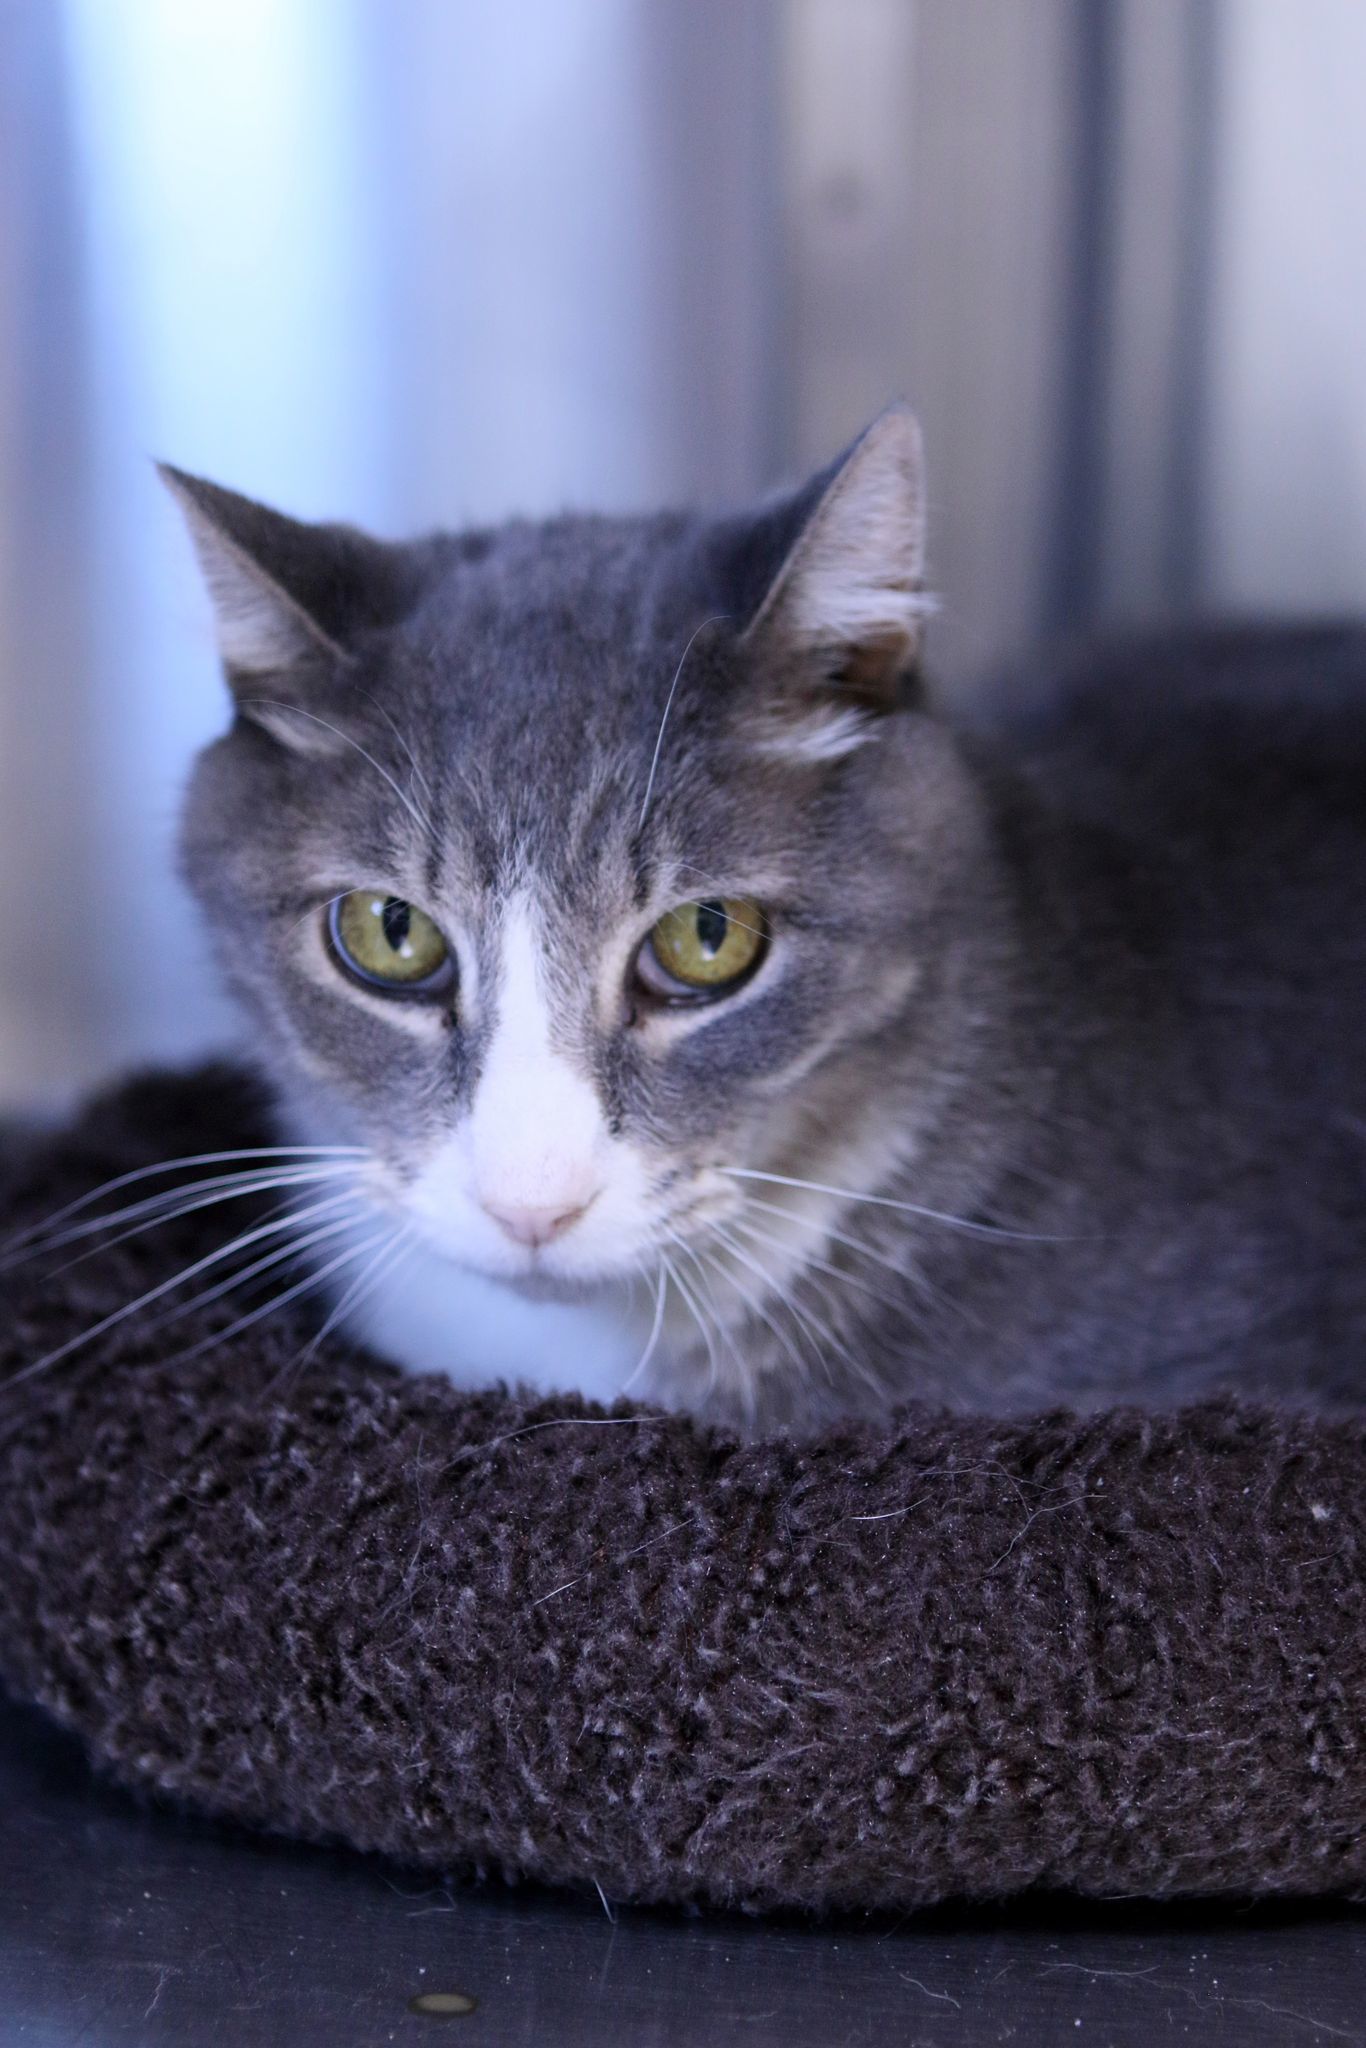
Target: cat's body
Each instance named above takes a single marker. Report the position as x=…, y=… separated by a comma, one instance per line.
x=1059, y=1026
x=1184, y=829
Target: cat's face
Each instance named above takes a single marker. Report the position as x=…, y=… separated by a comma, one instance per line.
x=567, y=867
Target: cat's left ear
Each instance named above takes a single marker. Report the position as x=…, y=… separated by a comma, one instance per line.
x=838, y=634
x=289, y=601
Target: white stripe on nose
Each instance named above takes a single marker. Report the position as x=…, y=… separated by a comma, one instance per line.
x=536, y=1126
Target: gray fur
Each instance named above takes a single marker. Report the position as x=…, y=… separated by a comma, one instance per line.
x=1088, y=986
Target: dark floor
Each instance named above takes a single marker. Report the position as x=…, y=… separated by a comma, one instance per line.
x=120, y=1925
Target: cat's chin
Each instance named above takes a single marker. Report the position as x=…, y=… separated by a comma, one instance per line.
x=530, y=1282
x=548, y=1287
x=432, y=1315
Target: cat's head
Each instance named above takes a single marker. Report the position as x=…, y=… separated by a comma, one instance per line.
x=567, y=866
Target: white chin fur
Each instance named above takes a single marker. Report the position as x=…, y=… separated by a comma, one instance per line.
x=428, y=1315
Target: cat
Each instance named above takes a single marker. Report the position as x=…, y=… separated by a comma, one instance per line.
x=717, y=1020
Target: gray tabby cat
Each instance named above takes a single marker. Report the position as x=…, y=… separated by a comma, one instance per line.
x=713, y=1020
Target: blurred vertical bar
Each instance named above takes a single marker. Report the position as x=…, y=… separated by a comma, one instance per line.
x=1285, y=460
x=48, y=745
x=577, y=206
x=1152, y=312
x=930, y=245
x=1001, y=212
x=198, y=170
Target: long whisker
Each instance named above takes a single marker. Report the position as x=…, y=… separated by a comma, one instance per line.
x=314, y=910
x=381, y=1268
x=816, y=1328
x=743, y=1380
x=839, y=1236
x=804, y=1311
x=714, y=620
x=692, y=1303
x=907, y=1271
x=754, y=1302
x=419, y=778
x=164, y=1287
x=816, y=1187
x=173, y=1204
x=279, y=1301
x=124, y=1180
x=743, y=1383
x=810, y=1259
x=396, y=1247
x=423, y=824
x=717, y=885
x=242, y=1275
x=648, y=1353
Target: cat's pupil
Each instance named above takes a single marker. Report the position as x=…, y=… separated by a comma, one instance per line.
x=395, y=919
x=712, y=926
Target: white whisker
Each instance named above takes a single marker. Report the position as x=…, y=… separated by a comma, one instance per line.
x=755, y=1303
x=124, y=1180
x=419, y=778
x=313, y=911
x=825, y=1330
x=169, y=1206
x=816, y=1328
x=839, y=1236
x=279, y=1301
x=201, y=1265
x=816, y=1187
x=399, y=1245
x=811, y=1259
x=691, y=1302
x=648, y=1353
x=243, y=1275
x=700, y=903
x=423, y=824
x=714, y=620
x=907, y=1270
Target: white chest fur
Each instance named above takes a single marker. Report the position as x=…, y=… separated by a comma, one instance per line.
x=429, y=1315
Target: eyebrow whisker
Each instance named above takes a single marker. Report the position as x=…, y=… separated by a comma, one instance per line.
x=714, y=620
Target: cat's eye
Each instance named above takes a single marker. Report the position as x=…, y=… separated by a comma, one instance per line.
x=389, y=944
x=701, y=950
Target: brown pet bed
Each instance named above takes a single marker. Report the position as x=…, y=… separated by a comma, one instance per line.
x=957, y=1657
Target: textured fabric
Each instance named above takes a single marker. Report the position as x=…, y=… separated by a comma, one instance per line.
x=1123, y=1654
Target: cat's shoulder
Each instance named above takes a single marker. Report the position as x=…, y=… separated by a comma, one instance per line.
x=1257, y=713
x=1298, y=677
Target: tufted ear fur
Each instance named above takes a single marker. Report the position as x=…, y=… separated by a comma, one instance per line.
x=289, y=600
x=839, y=631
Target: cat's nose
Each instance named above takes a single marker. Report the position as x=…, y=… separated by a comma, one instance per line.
x=534, y=1225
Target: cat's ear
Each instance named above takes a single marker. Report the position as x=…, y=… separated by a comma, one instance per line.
x=837, y=634
x=289, y=599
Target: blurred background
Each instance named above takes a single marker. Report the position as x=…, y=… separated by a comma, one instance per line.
x=411, y=262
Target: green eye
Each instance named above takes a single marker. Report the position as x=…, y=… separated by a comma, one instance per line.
x=388, y=944
x=703, y=949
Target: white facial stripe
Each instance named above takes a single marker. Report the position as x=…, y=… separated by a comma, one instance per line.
x=536, y=1129
x=531, y=1179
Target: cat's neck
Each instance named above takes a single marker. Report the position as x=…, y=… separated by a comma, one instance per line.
x=431, y=1316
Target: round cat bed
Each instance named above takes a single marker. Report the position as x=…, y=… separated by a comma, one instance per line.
x=956, y=1657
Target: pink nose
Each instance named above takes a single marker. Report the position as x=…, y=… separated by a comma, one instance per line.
x=534, y=1226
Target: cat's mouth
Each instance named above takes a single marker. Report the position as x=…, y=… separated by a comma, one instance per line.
x=611, y=1240
x=567, y=1273
x=537, y=1284
x=555, y=1272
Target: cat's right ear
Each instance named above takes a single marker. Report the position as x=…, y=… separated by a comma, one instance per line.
x=837, y=632
x=289, y=599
